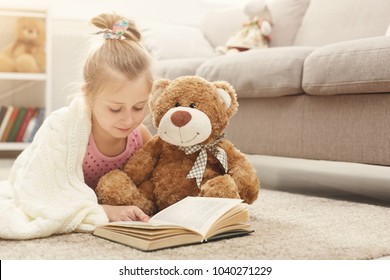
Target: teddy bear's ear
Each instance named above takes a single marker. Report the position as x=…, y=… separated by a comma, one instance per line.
x=228, y=95
x=159, y=86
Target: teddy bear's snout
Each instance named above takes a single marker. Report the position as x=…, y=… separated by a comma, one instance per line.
x=181, y=118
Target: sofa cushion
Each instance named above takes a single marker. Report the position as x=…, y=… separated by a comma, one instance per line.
x=259, y=73
x=219, y=24
x=287, y=16
x=173, y=68
x=166, y=41
x=330, y=21
x=350, y=67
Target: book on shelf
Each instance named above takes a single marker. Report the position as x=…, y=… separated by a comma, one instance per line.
x=192, y=220
x=11, y=121
x=36, y=124
x=16, y=124
x=3, y=110
x=19, y=124
x=5, y=121
x=29, y=114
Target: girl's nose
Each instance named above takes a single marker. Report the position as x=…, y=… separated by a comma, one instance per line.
x=127, y=118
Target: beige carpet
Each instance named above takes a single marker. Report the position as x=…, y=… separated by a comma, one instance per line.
x=287, y=226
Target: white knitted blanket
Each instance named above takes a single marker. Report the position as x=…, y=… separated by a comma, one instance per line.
x=45, y=193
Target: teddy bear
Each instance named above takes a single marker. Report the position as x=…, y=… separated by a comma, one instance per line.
x=27, y=52
x=189, y=155
x=254, y=34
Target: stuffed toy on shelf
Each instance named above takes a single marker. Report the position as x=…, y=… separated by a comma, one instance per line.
x=188, y=156
x=27, y=53
x=255, y=34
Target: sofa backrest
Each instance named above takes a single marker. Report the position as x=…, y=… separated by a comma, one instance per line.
x=218, y=25
x=330, y=21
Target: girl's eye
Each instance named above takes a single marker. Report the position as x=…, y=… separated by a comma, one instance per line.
x=177, y=104
x=115, y=111
x=138, y=109
x=192, y=105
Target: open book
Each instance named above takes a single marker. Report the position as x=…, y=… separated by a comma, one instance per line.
x=191, y=220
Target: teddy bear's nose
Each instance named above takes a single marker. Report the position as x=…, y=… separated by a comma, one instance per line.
x=180, y=118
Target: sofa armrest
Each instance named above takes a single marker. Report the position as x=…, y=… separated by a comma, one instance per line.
x=349, y=67
x=388, y=31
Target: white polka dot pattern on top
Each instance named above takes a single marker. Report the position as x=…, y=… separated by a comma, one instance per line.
x=95, y=164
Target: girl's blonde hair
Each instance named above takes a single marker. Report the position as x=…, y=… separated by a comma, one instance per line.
x=124, y=57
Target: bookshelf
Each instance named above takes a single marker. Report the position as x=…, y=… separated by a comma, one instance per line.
x=19, y=89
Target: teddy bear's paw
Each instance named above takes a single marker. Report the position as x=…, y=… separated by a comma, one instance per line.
x=147, y=206
x=115, y=188
x=26, y=63
x=221, y=186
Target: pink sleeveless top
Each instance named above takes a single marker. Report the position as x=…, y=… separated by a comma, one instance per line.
x=95, y=164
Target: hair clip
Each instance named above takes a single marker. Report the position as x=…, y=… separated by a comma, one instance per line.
x=118, y=29
x=120, y=26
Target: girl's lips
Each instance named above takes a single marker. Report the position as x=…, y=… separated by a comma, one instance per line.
x=123, y=129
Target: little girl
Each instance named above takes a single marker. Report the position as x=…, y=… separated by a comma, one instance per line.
x=50, y=189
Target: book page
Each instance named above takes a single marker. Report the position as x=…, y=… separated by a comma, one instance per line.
x=197, y=213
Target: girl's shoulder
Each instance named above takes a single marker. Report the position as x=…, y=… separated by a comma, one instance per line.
x=146, y=135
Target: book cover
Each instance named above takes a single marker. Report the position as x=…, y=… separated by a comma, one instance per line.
x=30, y=126
x=4, y=124
x=3, y=110
x=23, y=127
x=38, y=122
x=189, y=221
x=10, y=123
x=17, y=123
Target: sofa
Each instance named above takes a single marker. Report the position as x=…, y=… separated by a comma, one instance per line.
x=314, y=109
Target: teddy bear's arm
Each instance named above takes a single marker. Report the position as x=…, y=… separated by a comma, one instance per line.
x=40, y=57
x=140, y=166
x=242, y=172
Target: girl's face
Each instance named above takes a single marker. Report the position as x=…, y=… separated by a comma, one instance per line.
x=121, y=107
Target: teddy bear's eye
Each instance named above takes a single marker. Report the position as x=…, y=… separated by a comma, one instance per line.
x=177, y=104
x=192, y=105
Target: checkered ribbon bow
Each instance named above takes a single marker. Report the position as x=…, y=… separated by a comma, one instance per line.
x=199, y=166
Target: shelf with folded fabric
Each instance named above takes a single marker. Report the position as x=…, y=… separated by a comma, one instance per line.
x=25, y=72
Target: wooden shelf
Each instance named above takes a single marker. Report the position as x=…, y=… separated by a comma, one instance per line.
x=13, y=146
x=22, y=13
x=23, y=76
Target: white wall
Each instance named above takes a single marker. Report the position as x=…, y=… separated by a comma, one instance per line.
x=175, y=11
x=187, y=11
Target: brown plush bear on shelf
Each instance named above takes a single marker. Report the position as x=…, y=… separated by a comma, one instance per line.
x=188, y=156
x=27, y=53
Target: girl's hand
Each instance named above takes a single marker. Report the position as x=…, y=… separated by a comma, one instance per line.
x=125, y=213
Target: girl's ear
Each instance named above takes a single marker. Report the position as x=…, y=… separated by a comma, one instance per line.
x=159, y=86
x=86, y=96
x=228, y=95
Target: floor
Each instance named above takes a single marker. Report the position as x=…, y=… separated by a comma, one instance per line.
x=6, y=163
